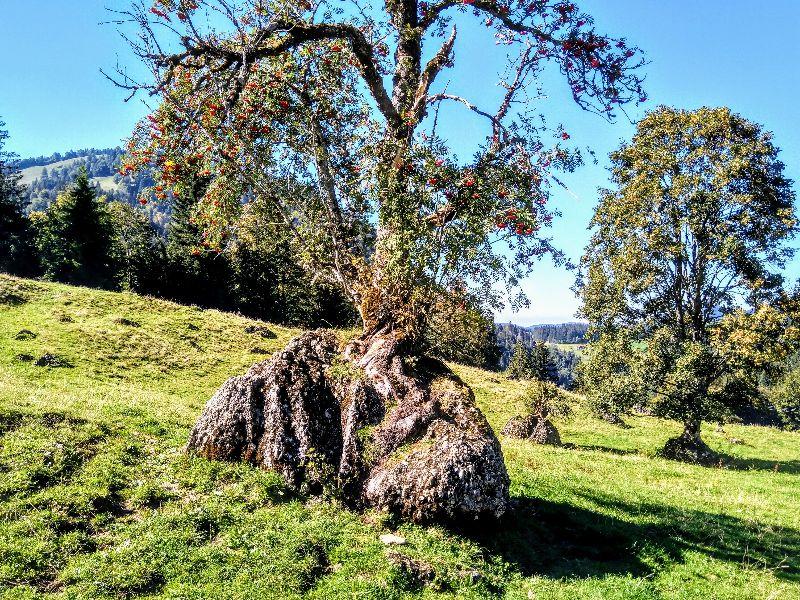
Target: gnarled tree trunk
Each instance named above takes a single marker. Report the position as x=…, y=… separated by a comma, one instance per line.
x=384, y=427
x=689, y=446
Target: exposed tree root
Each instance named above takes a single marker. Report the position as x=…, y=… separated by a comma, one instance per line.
x=383, y=428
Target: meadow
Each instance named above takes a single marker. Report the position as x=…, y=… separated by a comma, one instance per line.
x=99, y=500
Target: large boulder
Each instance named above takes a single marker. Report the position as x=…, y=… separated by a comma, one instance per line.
x=387, y=431
x=281, y=415
x=439, y=460
x=534, y=429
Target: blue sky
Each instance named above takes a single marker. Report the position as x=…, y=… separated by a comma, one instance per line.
x=737, y=53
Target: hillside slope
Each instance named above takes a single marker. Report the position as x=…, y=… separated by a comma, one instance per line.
x=98, y=500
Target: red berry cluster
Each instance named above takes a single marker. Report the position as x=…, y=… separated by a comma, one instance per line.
x=513, y=221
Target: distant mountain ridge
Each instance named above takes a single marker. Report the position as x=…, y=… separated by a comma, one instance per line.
x=47, y=176
x=558, y=333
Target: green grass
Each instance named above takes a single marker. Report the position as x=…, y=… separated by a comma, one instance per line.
x=98, y=499
x=31, y=174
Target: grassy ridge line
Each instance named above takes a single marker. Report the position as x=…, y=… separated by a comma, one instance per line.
x=31, y=174
x=98, y=500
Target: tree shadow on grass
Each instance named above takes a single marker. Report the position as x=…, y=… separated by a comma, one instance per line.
x=559, y=540
x=791, y=467
x=617, y=451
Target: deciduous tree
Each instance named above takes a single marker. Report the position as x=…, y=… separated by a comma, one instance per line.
x=328, y=112
x=687, y=248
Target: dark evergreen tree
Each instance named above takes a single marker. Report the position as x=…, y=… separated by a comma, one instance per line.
x=543, y=367
x=269, y=281
x=194, y=275
x=140, y=251
x=75, y=238
x=521, y=365
x=16, y=248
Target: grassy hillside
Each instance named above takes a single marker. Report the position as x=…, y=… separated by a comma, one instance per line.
x=31, y=174
x=98, y=500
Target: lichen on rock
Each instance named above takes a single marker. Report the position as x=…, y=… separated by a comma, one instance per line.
x=384, y=431
x=534, y=429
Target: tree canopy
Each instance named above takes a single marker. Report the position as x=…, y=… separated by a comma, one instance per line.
x=16, y=251
x=683, y=270
x=328, y=112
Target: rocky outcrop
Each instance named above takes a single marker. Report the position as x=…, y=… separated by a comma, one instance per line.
x=534, y=429
x=281, y=415
x=386, y=430
x=690, y=449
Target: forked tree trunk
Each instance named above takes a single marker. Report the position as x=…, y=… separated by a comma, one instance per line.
x=689, y=446
x=380, y=426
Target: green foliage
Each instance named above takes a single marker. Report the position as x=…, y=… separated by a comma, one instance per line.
x=784, y=394
x=98, y=499
x=520, y=366
x=16, y=242
x=611, y=375
x=462, y=333
x=138, y=250
x=191, y=276
x=50, y=176
x=269, y=281
x=545, y=400
x=534, y=362
x=75, y=237
x=695, y=229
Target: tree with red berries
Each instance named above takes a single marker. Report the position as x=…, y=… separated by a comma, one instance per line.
x=329, y=113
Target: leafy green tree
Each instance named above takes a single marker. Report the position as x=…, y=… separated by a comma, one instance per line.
x=319, y=100
x=784, y=395
x=140, y=251
x=610, y=375
x=694, y=231
x=461, y=332
x=76, y=238
x=520, y=366
x=16, y=248
x=330, y=117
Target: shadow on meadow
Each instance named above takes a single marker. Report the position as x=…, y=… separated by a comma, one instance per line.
x=589, y=448
x=790, y=467
x=727, y=461
x=559, y=540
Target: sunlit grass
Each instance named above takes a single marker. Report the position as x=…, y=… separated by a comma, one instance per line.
x=98, y=499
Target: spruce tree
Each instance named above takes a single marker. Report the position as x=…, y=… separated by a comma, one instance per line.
x=76, y=238
x=194, y=276
x=521, y=365
x=16, y=248
x=542, y=365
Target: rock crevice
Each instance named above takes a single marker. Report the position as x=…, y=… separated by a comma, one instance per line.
x=386, y=430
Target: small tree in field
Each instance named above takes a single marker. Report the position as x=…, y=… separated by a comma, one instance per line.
x=684, y=259
x=520, y=366
x=328, y=112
